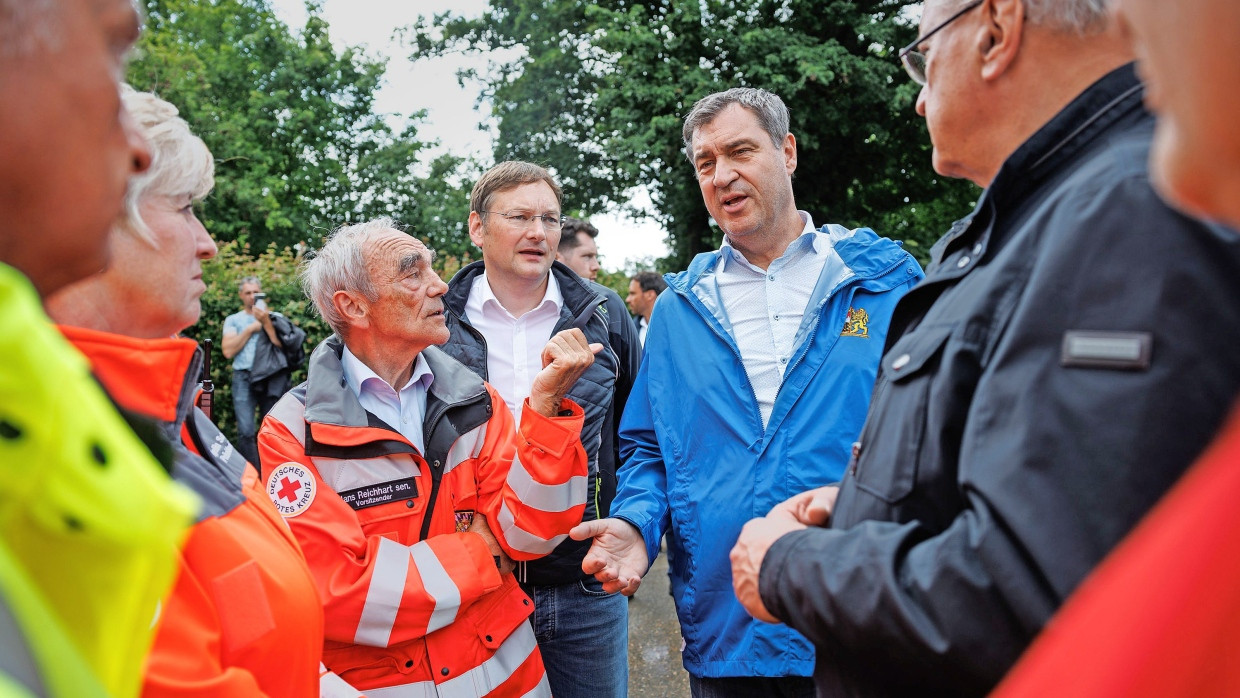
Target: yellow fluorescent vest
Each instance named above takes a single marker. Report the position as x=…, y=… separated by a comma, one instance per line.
x=90, y=523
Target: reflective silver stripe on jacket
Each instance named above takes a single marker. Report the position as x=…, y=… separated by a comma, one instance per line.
x=480, y=680
x=387, y=588
x=550, y=498
x=438, y=585
x=522, y=539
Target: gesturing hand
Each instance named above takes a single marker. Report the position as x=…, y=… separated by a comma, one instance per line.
x=617, y=557
x=566, y=356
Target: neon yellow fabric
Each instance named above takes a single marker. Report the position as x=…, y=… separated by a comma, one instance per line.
x=86, y=513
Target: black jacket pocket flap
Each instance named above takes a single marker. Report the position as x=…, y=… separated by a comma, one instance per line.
x=913, y=350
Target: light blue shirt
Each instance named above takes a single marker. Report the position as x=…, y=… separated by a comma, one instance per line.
x=402, y=410
x=236, y=324
x=765, y=307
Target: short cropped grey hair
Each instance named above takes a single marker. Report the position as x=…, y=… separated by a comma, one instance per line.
x=340, y=266
x=1081, y=17
x=767, y=106
x=246, y=280
x=28, y=24
x=181, y=165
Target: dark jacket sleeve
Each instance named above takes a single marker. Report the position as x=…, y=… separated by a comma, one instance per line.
x=625, y=344
x=268, y=359
x=622, y=336
x=292, y=339
x=1055, y=463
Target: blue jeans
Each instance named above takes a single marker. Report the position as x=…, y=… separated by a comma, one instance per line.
x=244, y=404
x=582, y=632
x=752, y=687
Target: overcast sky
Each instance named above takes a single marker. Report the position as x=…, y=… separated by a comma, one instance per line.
x=451, y=116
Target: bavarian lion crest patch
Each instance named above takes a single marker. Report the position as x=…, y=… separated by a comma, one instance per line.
x=857, y=324
x=291, y=488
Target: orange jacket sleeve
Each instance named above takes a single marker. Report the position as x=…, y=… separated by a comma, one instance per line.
x=186, y=657
x=377, y=591
x=532, y=482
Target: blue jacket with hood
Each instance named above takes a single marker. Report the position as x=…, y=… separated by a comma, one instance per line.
x=698, y=463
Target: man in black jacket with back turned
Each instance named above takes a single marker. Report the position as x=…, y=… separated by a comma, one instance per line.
x=1054, y=374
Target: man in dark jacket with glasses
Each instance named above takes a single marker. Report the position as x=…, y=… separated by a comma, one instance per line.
x=1057, y=370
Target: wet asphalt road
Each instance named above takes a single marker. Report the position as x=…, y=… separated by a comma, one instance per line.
x=655, y=670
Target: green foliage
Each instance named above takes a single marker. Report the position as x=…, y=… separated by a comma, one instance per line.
x=599, y=92
x=290, y=119
x=277, y=269
x=617, y=281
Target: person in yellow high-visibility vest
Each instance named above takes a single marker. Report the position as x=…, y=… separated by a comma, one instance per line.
x=89, y=520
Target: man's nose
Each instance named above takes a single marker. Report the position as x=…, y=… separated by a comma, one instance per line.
x=921, y=102
x=724, y=174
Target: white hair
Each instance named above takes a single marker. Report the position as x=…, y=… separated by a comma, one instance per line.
x=26, y=25
x=340, y=266
x=181, y=164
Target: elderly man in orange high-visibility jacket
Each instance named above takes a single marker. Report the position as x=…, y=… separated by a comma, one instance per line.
x=403, y=478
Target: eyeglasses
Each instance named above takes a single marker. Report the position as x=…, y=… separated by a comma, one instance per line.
x=524, y=221
x=915, y=61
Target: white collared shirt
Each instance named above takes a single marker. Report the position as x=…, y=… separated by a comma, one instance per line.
x=765, y=307
x=514, y=345
x=402, y=410
x=642, y=326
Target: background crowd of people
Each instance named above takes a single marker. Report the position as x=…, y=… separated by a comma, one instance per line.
x=1012, y=471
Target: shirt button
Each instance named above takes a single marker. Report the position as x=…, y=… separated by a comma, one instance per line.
x=776, y=318
x=964, y=262
x=783, y=359
x=770, y=277
x=445, y=671
x=901, y=362
x=409, y=503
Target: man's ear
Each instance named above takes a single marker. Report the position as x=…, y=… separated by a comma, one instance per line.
x=1000, y=42
x=353, y=307
x=790, y=153
x=475, y=228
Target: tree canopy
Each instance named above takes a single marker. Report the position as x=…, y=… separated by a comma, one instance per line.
x=597, y=92
x=291, y=121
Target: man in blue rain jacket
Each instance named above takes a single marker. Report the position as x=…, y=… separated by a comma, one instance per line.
x=754, y=385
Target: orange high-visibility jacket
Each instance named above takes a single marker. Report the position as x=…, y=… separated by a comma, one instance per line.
x=415, y=605
x=244, y=617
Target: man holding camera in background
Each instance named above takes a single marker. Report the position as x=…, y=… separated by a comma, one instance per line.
x=261, y=372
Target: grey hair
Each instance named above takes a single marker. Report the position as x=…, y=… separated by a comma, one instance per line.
x=767, y=106
x=1081, y=17
x=181, y=164
x=26, y=25
x=340, y=266
x=249, y=280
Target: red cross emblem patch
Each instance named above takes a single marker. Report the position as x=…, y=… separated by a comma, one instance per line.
x=291, y=488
